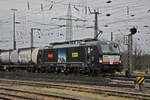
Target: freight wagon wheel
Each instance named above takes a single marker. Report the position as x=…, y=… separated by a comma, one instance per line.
x=33, y=69
x=37, y=70
x=28, y=70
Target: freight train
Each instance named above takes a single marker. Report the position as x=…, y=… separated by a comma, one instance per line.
x=80, y=56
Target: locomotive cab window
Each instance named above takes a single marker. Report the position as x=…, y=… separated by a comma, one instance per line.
x=114, y=48
x=105, y=48
x=110, y=48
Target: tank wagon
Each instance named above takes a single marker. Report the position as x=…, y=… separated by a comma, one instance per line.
x=19, y=59
x=86, y=57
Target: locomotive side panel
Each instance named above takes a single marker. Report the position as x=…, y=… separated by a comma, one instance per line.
x=47, y=55
x=62, y=55
x=93, y=55
x=76, y=54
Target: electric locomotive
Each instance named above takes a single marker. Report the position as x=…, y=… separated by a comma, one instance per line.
x=87, y=57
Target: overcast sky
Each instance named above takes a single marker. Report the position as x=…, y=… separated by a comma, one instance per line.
x=124, y=14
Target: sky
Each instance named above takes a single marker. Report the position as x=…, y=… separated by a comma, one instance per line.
x=117, y=17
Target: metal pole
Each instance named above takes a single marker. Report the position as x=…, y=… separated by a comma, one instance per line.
x=96, y=24
x=31, y=37
x=69, y=34
x=111, y=36
x=32, y=29
x=31, y=42
x=130, y=54
x=14, y=22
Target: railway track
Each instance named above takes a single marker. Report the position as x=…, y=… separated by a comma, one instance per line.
x=100, y=81
x=127, y=79
x=91, y=89
x=50, y=82
x=54, y=76
x=8, y=96
x=28, y=95
x=132, y=76
x=4, y=97
x=53, y=82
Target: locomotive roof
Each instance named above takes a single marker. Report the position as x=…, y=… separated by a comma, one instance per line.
x=76, y=44
x=80, y=44
x=70, y=45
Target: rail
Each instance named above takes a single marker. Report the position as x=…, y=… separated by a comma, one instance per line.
x=135, y=95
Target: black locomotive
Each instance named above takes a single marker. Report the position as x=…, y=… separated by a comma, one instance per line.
x=86, y=57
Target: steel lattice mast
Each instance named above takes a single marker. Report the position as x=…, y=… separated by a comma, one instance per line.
x=69, y=34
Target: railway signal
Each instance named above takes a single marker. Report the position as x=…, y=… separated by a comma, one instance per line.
x=133, y=30
x=130, y=49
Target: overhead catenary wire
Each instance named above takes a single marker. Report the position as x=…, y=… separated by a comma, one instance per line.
x=37, y=12
x=36, y=9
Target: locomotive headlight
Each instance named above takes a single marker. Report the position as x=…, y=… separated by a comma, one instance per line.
x=120, y=61
x=100, y=61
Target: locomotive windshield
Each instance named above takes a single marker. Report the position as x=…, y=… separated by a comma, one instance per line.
x=110, y=48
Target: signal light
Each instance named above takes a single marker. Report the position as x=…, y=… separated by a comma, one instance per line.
x=109, y=1
x=133, y=30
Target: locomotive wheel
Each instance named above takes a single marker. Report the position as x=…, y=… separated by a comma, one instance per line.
x=58, y=70
x=43, y=70
x=93, y=72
